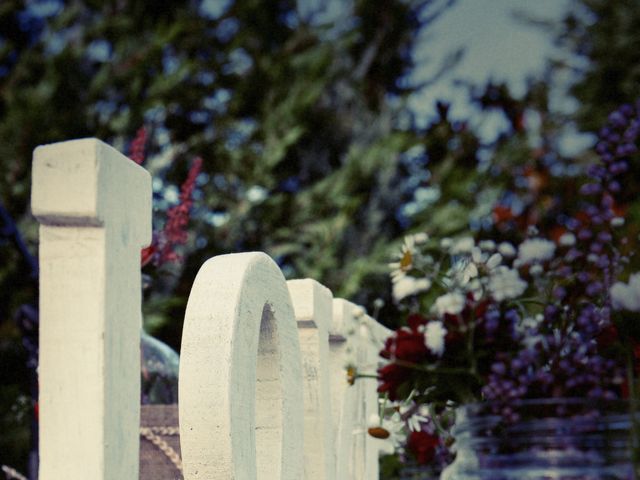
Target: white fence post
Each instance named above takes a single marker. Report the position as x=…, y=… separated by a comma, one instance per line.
x=240, y=387
x=371, y=339
x=344, y=396
x=94, y=209
x=312, y=303
x=354, y=338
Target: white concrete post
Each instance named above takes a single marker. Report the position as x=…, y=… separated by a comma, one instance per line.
x=355, y=338
x=344, y=396
x=312, y=303
x=240, y=387
x=371, y=339
x=94, y=209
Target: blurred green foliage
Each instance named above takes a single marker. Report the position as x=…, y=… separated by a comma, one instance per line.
x=300, y=121
x=310, y=152
x=605, y=39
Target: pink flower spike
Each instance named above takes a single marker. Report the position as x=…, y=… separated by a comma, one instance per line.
x=174, y=232
x=137, y=151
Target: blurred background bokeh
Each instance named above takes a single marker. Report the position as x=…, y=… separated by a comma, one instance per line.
x=328, y=130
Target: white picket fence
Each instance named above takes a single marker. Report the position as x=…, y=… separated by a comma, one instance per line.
x=262, y=388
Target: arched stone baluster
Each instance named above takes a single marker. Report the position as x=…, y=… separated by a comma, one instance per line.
x=312, y=303
x=94, y=209
x=240, y=387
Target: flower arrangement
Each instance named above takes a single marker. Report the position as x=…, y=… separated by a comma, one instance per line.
x=536, y=314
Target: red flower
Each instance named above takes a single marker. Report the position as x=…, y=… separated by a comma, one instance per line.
x=392, y=376
x=557, y=232
x=405, y=345
x=502, y=213
x=147, y=254
x=416, y=320
x=423, y=446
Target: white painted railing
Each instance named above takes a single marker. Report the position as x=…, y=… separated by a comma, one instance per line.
x=262, y=388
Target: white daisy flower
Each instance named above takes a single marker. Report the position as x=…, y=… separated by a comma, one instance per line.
x=535, y=250
x=505, y=284
x=452, y=303
x=407, y=256
x=479, y=262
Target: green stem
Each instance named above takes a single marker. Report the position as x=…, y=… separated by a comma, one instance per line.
x=442, y=432
x=433, y=369
x=471, y=348
x=365, y=375
x=535, y=301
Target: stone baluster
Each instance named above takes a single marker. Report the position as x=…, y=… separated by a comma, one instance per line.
x=94, y=209
x=312, y=303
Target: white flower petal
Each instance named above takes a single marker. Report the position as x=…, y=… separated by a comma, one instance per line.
x=536, y=250
x=405, y=286
x=434, y=335
x=494, y=261
x=567, y=239
x=505, y=284
x=452, y=303
x=626, y=296
x=507, y=250
x=462, y=245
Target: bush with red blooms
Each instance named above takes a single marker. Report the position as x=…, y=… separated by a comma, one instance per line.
x=497, y=319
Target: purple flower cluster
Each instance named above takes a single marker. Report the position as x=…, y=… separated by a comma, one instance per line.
x=555, y=365
x=561, y=355
x=617, y=143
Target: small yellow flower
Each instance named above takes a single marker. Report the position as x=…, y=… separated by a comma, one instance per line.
x=351, y=375
x=406, y=260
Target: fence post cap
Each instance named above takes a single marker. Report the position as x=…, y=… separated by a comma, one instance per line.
x=312, y=302
x=83, y=182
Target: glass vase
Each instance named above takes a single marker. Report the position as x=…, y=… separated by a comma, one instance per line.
x=560, y=439
x=159, y=371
